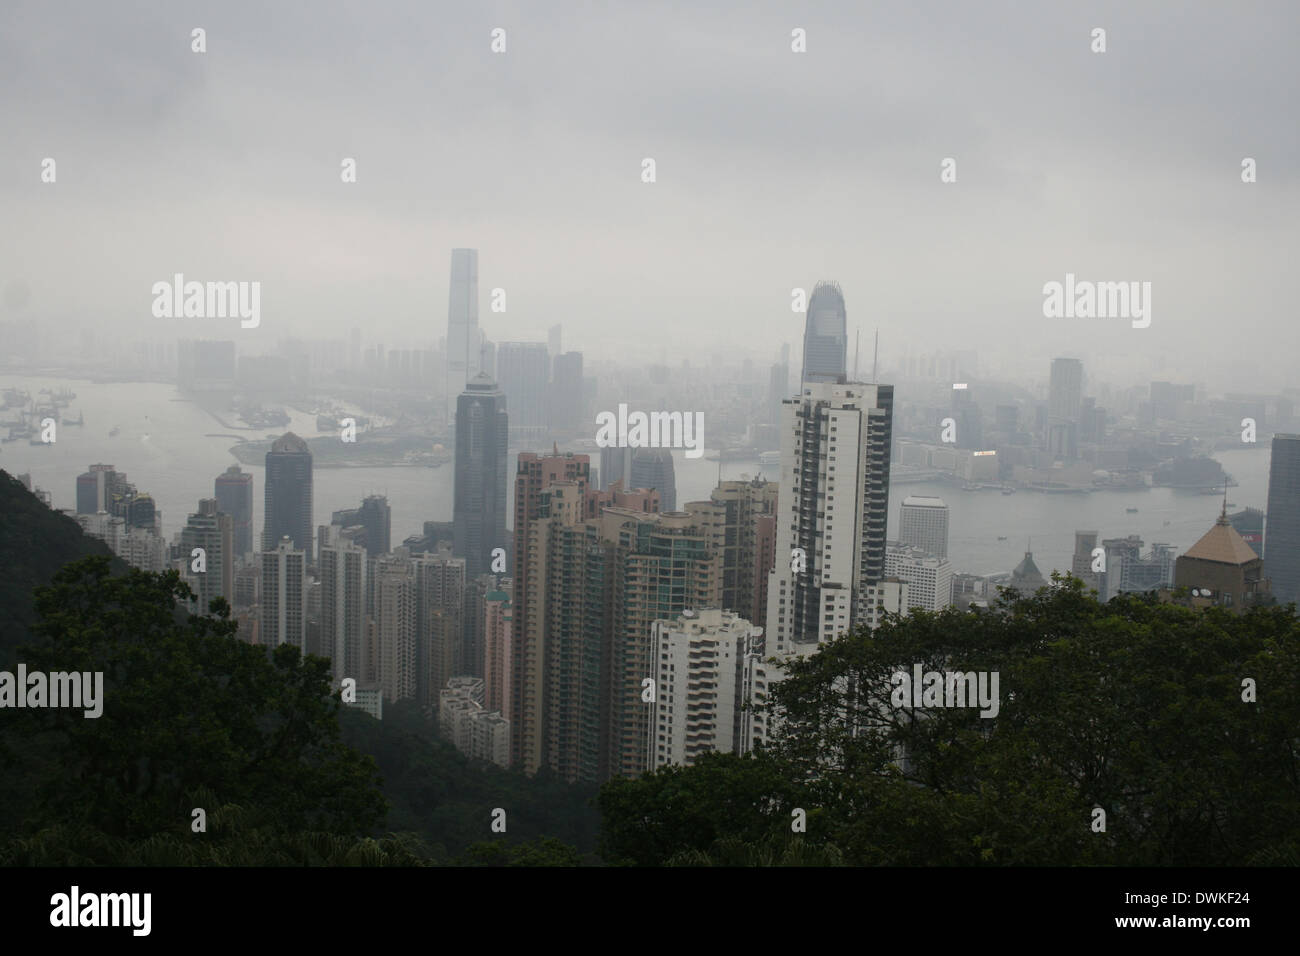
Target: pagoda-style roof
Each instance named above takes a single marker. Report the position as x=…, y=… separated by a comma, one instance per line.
x=1222, y=544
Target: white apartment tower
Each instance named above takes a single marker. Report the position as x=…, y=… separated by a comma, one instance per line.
x=343, y=606
x=284, y=591
x=923, y=523
x=699, y=663
x=928, y=578
x=830, y=527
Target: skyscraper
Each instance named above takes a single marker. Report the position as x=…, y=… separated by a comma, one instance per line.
x=95, y=489
x=740, y=517
x=835, y=443
x=596, y=586
x=661, y=566
x=284, y=596
x=613, y=465
x=653, y=468
x=213, y=532
x=343, y=607
x=523, y=369
x=778, y=389
x=463, y=338
x=566, y=393
x=440, y=603
x=376, y=518
x=698, y=660
x=825, y=337
x=233, y=490
x=923, y=523
x=929, y=578
x=1064, y=404
x=479, y=509
x=287, y=511
x=1282, y=519
x=497, y=640
x=1082, y=561
x=393, y=629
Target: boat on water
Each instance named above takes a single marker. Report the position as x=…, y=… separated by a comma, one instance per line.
x=1131, y=511
x=117, y=430
x=79, y=420
x=1002, y=537
x=1008, y=491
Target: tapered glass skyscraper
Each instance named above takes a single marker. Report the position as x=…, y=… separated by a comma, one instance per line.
x=825, y=337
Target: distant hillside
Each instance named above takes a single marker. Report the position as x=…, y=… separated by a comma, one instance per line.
x=34, y=543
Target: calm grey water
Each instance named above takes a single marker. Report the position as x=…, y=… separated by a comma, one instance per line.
x=167, y=447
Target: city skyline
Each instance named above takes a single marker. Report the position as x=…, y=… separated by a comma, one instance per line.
x=1170, y=208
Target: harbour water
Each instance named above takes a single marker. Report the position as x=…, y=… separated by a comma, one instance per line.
x=173, y=449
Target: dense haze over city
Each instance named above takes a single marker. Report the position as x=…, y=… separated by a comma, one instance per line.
x=772, y=170
x=719, y=434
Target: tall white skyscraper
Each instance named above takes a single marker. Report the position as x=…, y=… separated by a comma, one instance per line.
x=830, y=527
x=463, y=339
x=699, y=660
x=923, y=523
x=284, y=593
x=393, y=627
x=343, y=606
x=929, y=578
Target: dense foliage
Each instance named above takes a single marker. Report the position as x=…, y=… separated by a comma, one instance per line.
x=1135, y=708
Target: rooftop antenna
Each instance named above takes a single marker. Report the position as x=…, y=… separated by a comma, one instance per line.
x=1223, y=515
x=875, y=358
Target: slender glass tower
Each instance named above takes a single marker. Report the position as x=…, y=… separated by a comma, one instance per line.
x=825, y=337
x=462, y=324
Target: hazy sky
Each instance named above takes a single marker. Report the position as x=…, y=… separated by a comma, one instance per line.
x=774, y=169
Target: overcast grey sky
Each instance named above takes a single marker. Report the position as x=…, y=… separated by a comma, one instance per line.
x=774, y=170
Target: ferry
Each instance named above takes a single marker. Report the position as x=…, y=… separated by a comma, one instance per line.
x=1131, y=511
x=1008, y=491
x=117, y=430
